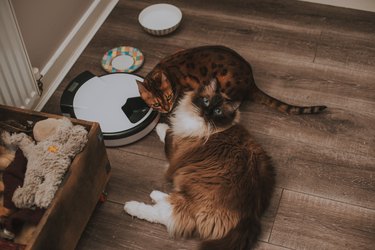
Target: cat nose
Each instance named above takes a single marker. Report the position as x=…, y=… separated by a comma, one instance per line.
x=165, y=109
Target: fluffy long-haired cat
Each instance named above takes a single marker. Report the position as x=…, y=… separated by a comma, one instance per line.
x=222, y=179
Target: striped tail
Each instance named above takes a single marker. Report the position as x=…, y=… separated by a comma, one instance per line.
x=261, y=97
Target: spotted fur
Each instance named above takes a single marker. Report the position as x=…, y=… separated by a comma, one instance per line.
x=192, y=68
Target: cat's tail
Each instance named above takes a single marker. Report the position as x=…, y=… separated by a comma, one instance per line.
x=261, y=97
x=243, y=237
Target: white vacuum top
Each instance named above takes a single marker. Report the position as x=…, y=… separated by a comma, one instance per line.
x=114, y=102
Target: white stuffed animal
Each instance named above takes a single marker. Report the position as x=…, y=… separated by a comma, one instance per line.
x=48, y=160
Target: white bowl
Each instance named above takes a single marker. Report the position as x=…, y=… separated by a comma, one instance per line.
x=160, y=19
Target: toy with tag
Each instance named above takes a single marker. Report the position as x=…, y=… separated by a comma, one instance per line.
x=58, y=141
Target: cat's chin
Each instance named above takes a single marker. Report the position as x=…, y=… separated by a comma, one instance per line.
x=188, y=125
x=165, y=111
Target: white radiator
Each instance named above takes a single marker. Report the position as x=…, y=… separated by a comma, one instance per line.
x=18, y=86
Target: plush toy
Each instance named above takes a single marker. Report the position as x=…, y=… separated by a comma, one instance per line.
x=58, y=141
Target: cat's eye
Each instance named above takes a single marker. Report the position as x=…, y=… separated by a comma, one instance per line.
x=218, y=111
x=156, y=105
x=169, y=97
x=206, y=102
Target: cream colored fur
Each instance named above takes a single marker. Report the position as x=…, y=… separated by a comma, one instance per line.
x=186, y=121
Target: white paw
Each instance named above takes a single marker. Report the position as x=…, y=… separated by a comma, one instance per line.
x=157, y=196
x=131, y=207
x=161, y=130
x=143, y=211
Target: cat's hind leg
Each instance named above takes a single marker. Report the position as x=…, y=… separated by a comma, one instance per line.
x=160, y=212
x=141, y=211
x=158, y=196
x=161, y=130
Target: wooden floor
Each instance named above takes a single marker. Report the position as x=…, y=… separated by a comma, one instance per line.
x=302, y=53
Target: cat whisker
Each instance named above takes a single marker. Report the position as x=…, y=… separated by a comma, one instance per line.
x=211, y=127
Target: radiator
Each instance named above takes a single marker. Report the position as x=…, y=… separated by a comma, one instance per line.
x=18, y=86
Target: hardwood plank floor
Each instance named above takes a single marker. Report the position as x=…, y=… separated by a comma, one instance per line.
x=302, y=53
x=307, y=222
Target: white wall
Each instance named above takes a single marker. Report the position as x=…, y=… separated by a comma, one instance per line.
x=44, y=24
x=55, y=32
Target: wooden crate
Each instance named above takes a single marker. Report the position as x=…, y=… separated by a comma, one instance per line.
x=74, y=202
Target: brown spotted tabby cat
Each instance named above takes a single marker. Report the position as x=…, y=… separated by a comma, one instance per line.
x=222, y=179
x=189, y=69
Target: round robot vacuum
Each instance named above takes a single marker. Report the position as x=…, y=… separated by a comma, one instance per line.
x=114, y=102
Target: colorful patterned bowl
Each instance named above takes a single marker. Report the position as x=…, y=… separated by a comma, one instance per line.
x=160, y=19
x=122, y=59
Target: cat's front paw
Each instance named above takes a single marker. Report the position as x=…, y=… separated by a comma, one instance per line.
x=161, y=130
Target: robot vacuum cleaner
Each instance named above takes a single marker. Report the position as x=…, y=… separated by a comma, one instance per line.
x=114, y=102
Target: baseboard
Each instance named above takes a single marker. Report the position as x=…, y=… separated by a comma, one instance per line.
x=366, y=5
x=72, y=47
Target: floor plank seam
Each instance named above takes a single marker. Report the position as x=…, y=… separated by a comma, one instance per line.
x=277, y=245
x=330, y=199
x=277, y=211
x=115, y=202
x=140, y=154
x=317, y=46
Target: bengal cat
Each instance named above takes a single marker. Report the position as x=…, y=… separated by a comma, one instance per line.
x=222, y=179
x=189, y=69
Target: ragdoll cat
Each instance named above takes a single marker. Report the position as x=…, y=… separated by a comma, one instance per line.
x=192, y=68
x=222, y=179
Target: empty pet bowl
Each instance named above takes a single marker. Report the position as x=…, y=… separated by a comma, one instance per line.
x=160, y=19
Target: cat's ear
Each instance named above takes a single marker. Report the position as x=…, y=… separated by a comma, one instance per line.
x=236, y=105
x=164, y=78
x=141, y=86
x=213, y=85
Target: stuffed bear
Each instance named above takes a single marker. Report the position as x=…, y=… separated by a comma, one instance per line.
x=48, y=159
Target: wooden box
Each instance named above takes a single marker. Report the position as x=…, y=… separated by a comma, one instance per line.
x=65, y=219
